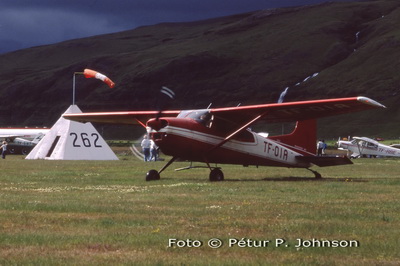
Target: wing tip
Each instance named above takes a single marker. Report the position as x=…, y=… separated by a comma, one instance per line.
x=369, y=101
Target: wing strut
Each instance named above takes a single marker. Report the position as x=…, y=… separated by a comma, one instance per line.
x=140, y=123
x=236, y=132
x=168, y=164
x=360, y=150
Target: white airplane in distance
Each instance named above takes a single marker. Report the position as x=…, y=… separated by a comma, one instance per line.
x=363, y=146
x=22, y=140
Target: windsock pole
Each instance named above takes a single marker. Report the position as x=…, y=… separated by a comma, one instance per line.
x=73, y=86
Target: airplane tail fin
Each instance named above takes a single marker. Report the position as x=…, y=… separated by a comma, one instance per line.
x=37, y=138
x=303, y=138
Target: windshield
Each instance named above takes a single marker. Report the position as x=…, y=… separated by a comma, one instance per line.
x=204, y=117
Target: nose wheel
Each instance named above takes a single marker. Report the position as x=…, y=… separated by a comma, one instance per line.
x=155, y=175
x=152, y=175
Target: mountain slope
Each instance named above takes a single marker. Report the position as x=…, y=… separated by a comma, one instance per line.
x=247, y=58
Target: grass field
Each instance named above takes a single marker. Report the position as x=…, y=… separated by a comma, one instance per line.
x=102, y=213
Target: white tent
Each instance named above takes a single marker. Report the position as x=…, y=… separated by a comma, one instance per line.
x=69, y=140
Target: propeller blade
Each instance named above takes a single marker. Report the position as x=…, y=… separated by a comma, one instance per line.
x=163, y=103
x=170, y=93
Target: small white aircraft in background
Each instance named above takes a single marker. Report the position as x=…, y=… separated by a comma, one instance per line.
x=22, y=140
x=363, y=146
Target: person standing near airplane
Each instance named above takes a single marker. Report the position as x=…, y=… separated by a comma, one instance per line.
x=153, y=151
x=324, y=147
x=320, y=147
x=4, y=149
x=146, y=145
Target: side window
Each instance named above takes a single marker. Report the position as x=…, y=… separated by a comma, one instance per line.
x=206, y=119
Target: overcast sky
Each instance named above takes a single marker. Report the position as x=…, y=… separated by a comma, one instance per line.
x=27, y=23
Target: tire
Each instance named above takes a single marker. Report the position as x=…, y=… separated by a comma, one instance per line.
x=152, y=175
x=216, y=175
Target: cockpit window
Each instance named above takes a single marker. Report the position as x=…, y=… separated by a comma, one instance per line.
x=204, y=117
x=372, y=146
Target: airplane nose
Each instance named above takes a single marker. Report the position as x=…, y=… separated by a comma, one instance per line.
x=157, y=124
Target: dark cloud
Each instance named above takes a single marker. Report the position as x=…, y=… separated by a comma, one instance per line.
x=26, y=23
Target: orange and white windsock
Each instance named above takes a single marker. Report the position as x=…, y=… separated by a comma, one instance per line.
x=94, y=74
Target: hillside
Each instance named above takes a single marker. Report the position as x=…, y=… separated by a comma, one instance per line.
x=350, y=48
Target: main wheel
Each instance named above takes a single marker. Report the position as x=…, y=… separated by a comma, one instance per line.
x=216, y=175
x=152, y=175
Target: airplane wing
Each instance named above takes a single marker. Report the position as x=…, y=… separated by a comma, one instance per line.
x=9, y=136
x=128, y=118
x=232, y=116
x=365, y=139
x=295, y=111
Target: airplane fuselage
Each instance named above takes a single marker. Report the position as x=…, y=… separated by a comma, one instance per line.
x=184, y=138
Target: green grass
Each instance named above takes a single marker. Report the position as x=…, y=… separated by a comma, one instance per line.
x=98, y=213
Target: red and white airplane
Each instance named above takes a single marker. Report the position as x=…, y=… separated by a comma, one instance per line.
x=222, y=135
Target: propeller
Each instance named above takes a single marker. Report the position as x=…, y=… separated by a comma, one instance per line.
x=167, y=95
x=170, y=93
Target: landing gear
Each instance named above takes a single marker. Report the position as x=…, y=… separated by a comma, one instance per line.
x=155, y=175
x=152, y=175
x=317, y=175
x=216, y=175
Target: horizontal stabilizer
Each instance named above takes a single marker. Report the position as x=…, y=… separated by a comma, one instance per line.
x=322, y=161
